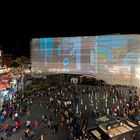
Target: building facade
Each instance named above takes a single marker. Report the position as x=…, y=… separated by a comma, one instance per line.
x=7, y=60
x=1, y=57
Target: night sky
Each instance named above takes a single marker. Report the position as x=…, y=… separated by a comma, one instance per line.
x=17, y=31
x=17, y=42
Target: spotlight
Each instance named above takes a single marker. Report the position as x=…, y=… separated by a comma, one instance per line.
x=110, y=135
x=108, y=127
x=121, y=124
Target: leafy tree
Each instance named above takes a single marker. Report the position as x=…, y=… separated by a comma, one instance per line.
x=14, y=64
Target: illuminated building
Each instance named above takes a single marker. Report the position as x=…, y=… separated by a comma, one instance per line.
x=7, y=59
x=112, y=58
x=1, y=56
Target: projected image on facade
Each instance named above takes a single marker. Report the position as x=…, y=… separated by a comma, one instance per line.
x=110, y=53
x=116, y=56
x=71, y=54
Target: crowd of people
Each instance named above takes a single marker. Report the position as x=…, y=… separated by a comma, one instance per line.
x=67, y=105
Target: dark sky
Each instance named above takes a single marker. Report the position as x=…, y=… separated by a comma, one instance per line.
x=17, y=41
x=18, y=28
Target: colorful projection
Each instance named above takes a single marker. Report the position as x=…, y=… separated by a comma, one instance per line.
x=114, y=55
x=63, y=55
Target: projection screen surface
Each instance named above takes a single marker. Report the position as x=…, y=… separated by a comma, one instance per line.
x=113, y=58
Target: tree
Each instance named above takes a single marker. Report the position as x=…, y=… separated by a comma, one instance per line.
x=14, y=64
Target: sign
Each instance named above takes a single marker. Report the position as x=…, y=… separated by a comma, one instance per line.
x=74, y=80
